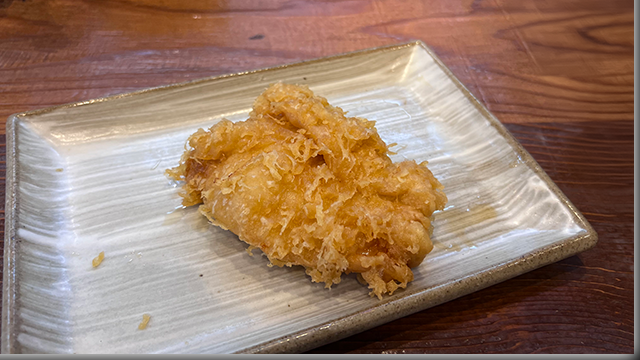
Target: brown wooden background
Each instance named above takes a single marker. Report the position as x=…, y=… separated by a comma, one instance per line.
x=559, y=74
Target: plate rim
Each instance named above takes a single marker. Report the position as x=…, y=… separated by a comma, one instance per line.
x=333, y=330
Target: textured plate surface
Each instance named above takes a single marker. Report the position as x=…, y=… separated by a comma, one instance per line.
x=88, y=177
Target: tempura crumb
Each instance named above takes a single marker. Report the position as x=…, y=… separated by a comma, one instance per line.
x=98, y=259
x=145, y=322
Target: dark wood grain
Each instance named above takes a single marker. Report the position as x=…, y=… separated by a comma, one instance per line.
x=559, y=74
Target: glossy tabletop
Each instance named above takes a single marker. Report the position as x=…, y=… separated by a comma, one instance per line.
x=558, y=74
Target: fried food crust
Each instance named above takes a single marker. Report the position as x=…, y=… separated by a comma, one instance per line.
x=309, y=186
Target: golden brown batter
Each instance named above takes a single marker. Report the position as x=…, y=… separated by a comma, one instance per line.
x=309, y=186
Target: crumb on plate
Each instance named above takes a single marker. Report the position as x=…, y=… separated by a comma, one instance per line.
x=98, y=259
x=145, y=321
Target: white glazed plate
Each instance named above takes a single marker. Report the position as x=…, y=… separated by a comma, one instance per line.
x=89, y=177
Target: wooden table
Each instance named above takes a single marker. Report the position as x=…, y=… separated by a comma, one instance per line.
x=558, y=74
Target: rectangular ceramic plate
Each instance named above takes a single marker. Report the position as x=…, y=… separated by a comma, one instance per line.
x=89, y=177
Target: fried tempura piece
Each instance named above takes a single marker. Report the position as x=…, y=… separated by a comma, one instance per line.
x=312, y=187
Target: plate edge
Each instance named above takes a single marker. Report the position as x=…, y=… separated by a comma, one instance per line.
x=9, y=267
x=361, y=52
